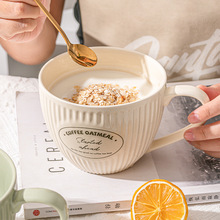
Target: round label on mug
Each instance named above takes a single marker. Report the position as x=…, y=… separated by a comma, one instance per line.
x=90, y=142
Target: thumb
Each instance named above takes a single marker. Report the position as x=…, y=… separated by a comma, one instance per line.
x=212, y=91
x=206, y=111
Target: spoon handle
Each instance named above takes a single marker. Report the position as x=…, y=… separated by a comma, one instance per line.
x=53, y=21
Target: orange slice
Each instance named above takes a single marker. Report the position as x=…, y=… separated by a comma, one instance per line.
x=159, y=200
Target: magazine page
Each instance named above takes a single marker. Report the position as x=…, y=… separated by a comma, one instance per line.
x=42, y=165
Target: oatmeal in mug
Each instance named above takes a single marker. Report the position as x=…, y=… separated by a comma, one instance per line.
x=104, y=95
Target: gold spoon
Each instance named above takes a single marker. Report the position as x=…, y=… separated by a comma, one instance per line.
x=81, y=54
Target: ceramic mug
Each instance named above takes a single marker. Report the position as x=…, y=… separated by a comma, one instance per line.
x=12, y=199
x=108, y=139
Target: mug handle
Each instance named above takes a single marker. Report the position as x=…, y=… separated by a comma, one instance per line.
x=40, y=195
x=171, y=92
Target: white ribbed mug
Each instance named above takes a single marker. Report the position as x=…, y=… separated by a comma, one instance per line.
x=109, y=139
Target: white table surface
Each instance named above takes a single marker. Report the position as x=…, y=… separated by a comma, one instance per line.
x=9, y=142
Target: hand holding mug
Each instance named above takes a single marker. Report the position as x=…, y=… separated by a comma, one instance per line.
x=206, y=137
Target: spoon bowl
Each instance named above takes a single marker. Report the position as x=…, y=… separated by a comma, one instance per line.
x=81, y=54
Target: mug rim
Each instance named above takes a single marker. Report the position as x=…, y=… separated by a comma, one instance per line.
x=41, y=85
x=13, y=169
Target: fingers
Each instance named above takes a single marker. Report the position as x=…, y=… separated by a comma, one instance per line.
x=21, y=20
x=15, y=27
x=204, y=132
x=205, y=112
x=213, y=153
x=210, y=147
x=18, y=10
x=212, y=91
x=30, y=2
x=205, y=138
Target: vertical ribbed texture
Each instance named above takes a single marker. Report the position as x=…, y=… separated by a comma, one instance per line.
x=137, y=124
x=6, y=213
